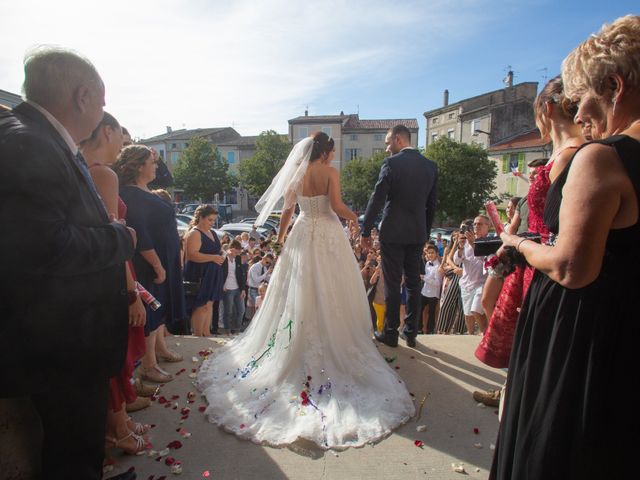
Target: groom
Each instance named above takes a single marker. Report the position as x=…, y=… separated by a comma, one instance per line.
x=406, y=188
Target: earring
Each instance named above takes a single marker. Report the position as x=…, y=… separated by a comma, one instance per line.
x=613, y=110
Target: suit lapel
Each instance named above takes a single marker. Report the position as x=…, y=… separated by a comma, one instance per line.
x=37, y=117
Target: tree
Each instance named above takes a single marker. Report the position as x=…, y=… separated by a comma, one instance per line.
x=257, y=172
x=201, y=172
x=359, y=177
x=466, y=178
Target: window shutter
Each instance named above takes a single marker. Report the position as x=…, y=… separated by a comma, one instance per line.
x=521, y=162
x=505, y=163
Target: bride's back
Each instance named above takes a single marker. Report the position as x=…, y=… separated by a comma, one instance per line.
x=316, y=180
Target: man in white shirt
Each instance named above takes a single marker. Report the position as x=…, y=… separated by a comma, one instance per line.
x=234, y=284
x=258, y=273
x=473, y=275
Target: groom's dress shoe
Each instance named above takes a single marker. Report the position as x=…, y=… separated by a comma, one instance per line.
x=382, y=338
x=411, y=341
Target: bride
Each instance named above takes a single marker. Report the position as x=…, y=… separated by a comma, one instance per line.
x=306, y=367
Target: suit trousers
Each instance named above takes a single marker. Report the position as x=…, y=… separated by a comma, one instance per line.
x=56, y=434
x=397, y=259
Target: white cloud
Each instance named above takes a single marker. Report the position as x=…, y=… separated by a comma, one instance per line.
x=250, y=63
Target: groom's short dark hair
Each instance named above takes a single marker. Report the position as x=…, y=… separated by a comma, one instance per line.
x=402, y=131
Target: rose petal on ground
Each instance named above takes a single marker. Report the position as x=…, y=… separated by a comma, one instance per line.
x=418, y=443
x=476, y=430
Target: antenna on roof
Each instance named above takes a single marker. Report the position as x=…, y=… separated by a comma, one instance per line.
x=358, y=109
x=545, y=75
x=306, y=110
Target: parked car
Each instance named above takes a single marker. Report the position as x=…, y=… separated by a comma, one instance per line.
x=238, y=228
x=445, y=232
x=190, y=208
x=183, y=227
x=185, y=217
x=269, y=222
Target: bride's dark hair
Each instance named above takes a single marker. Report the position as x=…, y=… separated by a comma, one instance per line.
x=322, y=144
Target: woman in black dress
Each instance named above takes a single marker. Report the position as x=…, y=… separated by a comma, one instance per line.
x=157, y=257
x=569, y=412
x=203, y=266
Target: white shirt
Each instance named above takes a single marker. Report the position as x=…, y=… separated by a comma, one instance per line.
x=432, y=280
x=473, y=274
x=258, y=273
x=57, y=125
x=231, y=283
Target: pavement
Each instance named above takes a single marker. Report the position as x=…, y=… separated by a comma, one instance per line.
x=441, y=373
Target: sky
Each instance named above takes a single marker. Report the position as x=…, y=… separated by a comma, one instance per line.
x=254, y=64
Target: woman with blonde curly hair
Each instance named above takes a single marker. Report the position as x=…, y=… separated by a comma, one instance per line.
x=157, y=258
x=567, y=414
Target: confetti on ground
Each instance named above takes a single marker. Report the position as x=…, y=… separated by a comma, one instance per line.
x=424, y=399
x=492, y=446
x=421, y=428
x=206, y=474
x=391, y=359
x=477, y=445
x=176, y=469
x=458, y=468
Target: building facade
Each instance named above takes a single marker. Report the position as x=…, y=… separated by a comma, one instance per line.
x=485, y=119
x=353, y=137
x=514, y=155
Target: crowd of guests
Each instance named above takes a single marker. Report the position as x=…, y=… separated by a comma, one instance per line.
x=102, y=246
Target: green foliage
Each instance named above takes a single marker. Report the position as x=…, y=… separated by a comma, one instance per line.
x=466, y=178
x=257, y=172
x=201, y=171
x=359, y=177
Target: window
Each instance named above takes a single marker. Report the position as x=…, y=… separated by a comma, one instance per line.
x=231, y=197
x=327, y=130
x=512, y=186
x=475, y=125
x=353, y=137
x=175, y=156
x=174, y=146
x=377, y=150
x=231, y=158
x=186, y=144
x=434, y=136
x=514, y=162
x=304, y=132
x=351, y=153
x=452, y=115
x=161, y=153
x=450, y=133
x=434, y=121
x=378, y=137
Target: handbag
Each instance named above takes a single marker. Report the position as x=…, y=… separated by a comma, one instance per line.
x=191, y=289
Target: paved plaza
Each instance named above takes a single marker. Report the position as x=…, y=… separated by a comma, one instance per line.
x=443, y=368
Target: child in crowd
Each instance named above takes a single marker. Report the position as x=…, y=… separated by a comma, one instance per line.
x=262, y=291
x=432, y=278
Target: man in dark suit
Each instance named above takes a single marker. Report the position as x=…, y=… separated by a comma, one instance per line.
x=63, y=296
x=406, y=188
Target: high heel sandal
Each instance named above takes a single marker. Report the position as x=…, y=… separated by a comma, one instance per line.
x=171, y=357
x=156, y=374
x=137, y=428
x=140, y=445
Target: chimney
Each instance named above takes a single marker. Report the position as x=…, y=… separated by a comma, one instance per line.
x=306, y=113
x=508, y=81
x=169, y=130
x=446, y=98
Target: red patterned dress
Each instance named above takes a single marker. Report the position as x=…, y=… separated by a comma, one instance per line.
x=495, y=347
x=120, y=387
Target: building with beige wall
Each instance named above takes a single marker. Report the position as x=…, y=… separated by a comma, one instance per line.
x=485, y=119
x=353, y=136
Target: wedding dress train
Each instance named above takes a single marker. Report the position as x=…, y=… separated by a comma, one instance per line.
x=306, y=367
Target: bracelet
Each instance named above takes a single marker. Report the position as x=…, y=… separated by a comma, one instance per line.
x=133, y=296
x=520, y=242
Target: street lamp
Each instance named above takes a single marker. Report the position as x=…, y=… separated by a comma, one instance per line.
x=477, y=131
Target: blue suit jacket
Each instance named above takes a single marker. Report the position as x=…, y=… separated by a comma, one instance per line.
x=406, y=188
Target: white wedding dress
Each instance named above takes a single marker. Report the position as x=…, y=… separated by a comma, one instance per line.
x=306, y=367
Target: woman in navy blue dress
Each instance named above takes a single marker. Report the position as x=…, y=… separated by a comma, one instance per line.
x=157, y=257
x=204, y=266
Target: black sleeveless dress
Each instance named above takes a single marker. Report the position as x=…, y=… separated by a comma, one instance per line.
x=569, y=408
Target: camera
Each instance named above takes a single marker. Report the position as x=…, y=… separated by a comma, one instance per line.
x=488, y=245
